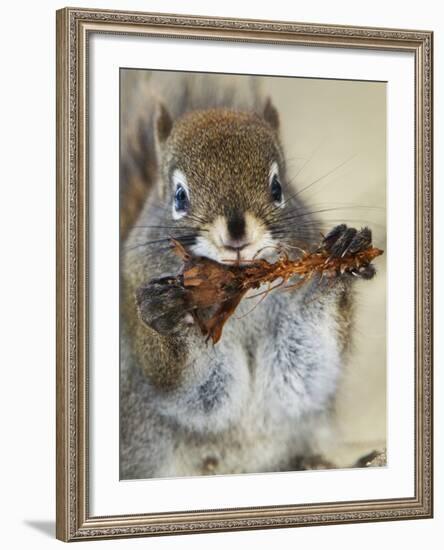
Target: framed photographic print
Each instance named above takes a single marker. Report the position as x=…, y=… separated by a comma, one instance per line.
x=244, y=274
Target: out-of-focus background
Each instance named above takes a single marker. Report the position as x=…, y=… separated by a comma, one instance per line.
x=334, y=136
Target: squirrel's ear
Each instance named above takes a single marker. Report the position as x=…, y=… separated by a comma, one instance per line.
x=270, y=114
x=163, y=125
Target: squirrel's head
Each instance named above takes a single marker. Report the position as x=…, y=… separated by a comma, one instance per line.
x=223, y=175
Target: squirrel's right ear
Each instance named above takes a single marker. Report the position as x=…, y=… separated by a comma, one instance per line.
x=271, y=115
x=163, y=125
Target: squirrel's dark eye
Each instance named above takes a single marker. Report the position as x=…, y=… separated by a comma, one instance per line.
x=276, y=189
x=181, y=201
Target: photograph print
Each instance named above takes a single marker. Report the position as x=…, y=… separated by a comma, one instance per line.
x=252, y=274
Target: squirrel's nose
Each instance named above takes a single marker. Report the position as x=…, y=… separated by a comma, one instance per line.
x=236, y=238
x=236, y=226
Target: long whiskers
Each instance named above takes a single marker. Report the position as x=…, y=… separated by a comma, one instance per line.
x=183, y=239
x=175, y=227
x=301, y=212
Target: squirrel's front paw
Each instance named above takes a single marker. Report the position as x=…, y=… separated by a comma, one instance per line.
x=163, y=305
x=343, y=240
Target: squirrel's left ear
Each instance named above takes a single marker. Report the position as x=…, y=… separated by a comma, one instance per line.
x=163, y=125
x=270, y=114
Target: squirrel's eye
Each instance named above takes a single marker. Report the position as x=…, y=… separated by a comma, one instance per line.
x=276, y=189
x=181, y=201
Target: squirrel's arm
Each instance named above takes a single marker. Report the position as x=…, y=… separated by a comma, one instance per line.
x=194, y=383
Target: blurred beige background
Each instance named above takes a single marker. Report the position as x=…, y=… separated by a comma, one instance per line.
x=334, y=135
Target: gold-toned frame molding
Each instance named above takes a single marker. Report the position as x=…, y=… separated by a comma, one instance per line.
x=73, y=519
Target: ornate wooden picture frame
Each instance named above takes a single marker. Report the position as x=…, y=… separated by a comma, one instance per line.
x=74, y=29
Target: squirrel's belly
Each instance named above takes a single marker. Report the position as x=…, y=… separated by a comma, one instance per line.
x=246, y=449
x=263, y=399
x=278, y=426
x=254, y=446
